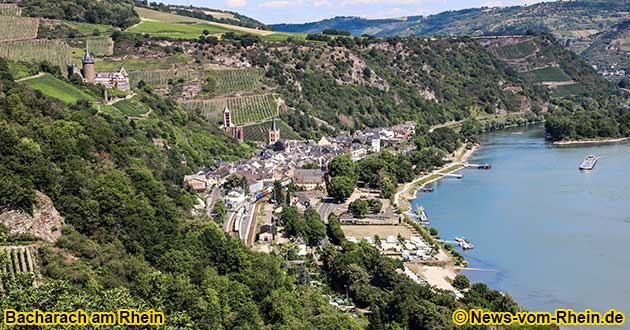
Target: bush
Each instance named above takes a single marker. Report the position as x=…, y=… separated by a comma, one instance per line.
x=461, y=282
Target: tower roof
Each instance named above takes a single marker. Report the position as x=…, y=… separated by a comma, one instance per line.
x=87, y=58
x=274, y=125
x=226, y=110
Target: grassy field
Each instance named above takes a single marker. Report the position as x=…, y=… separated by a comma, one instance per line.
x=159, y=16
x=260, y=132
x=565, y=90
x=88, y=28
x=245, y=110
x=550, y=74
x=139, y=64
x=515, y=51
x=59, y=89
x=53, y=51
x=18, y=28
x=132, y=107
x=361, y=231
x=177, y=30
x=230, y=81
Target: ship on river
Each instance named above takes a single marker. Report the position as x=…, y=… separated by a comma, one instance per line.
x=588, y=163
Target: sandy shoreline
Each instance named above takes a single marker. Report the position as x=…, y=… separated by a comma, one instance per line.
x=437, y=276
x=594, y=141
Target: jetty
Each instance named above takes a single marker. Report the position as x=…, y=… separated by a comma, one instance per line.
x=479, y=166
x=452, y=175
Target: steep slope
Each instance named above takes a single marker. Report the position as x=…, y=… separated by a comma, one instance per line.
x=610, y=50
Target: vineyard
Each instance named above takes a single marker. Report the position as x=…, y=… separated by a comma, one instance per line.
x=550, y=74
x=10, y=9
x=132, y=107
x=516, y=51
x=246, y=109
x=51, y=86
x=18, y=28
x=100, y=46
x=53, y=51
x=159, y=77
x=260, y=132
x=230, y=81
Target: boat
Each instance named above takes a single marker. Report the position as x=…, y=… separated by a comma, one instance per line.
x=588, y=163
x=464, y=243
x=422, y=215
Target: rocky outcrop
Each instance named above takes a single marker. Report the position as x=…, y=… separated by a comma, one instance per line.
x=45, y=222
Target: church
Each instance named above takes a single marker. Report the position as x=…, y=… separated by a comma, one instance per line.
x=237, y=131
x=118, y=79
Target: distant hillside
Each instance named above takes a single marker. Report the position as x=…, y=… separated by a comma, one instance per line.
x=214, y=15
x=610, y=50
x=573, y=23
x=561, y=18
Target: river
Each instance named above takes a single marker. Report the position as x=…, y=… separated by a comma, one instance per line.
x=546, y=233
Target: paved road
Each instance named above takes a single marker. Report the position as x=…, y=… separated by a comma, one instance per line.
x=326, y=208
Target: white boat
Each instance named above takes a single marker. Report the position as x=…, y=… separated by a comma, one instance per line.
x=464, y=243
x=422, y=215
x=588, y=163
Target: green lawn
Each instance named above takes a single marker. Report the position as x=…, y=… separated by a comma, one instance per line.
x=138, y=64
x=550, y=74
x=132, y=107
x=177, y=30
x=59, y=89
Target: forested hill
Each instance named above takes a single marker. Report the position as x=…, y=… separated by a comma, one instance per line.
x=118, y=13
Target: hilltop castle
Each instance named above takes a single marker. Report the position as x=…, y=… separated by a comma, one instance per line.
x=118, y=79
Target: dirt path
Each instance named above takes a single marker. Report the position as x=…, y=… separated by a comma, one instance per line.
x=41, y=74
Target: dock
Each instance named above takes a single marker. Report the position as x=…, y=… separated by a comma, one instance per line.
x=479, y=166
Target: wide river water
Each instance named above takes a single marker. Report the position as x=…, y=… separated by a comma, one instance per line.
x=544, y=232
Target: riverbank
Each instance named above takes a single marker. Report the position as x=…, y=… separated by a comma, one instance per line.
x=592, y=141
x=437, y=276
x=410, y=190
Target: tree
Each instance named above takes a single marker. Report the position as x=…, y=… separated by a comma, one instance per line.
x=316, y=230
x=461, y=282
x=278, y=193
x=342, y=166
x=375, y=206
x=387, y=187
x=340, y=188
x=359, y=208
x=220, y=211
x=335, y=233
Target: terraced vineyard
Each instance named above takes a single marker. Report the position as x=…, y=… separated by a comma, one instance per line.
x=10, y=9
x=159, y=77
x=260, y=132
x=550, y=74
x=246, y=109
x=100, y=46
x=54, y=51
x=18, y=28
x=132, y=107
x=230, y=81
x=516, y=51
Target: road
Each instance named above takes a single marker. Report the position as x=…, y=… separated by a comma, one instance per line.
x=326, y=208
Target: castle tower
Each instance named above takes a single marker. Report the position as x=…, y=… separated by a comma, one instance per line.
x=227, y=118
x=274, y=132
x=89, y=71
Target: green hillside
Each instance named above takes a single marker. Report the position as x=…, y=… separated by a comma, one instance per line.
x=59, y=89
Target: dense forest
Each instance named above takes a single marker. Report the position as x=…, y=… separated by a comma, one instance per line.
x=118, y=13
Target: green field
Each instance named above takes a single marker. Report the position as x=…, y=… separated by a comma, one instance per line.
x=515, y=51
x=89, y=28
x=18, y=28
x=139, y=64
x=132, y=107
x=59, y=89
x=260, y=132
x=230, y=81
x=550, y=74
x=245, y=110
x=159, y=77
x=159, y=16
x=566, y=90
x=53, y=51
x=177, y=30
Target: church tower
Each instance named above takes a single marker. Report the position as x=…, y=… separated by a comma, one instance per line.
x=89, y=71
x=227, y=118
x=274, y=132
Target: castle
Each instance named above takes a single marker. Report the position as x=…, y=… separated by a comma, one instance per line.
x=118, y=79
x=237, y=131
